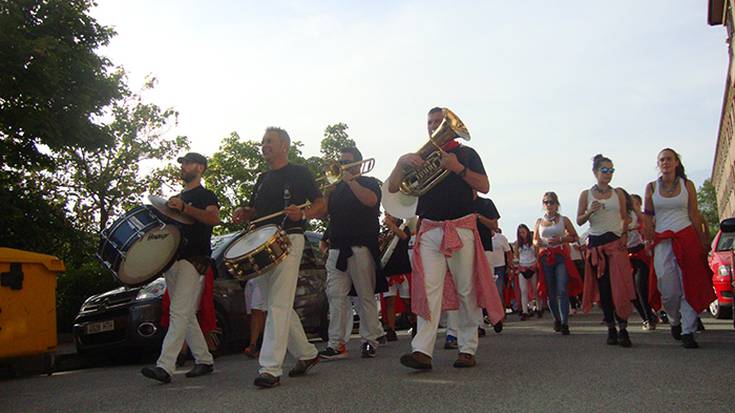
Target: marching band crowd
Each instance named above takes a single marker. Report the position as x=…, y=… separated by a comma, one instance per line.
x=451, y=264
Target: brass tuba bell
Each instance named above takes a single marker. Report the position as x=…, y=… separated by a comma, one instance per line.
x=418, y=181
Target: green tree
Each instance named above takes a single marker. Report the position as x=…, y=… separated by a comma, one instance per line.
x=707, y=201
x=102, y=183
x=334, y=140
x=53, y=84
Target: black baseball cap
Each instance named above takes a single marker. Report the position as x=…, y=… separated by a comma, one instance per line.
x=194, y=157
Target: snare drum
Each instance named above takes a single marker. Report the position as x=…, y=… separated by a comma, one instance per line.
x=255, y=252
x=139, y=246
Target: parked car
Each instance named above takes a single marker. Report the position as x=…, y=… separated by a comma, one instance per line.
x=720, y=261
x=129, y=317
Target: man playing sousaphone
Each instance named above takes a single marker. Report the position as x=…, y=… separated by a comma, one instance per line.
x=447, y=239
x=283, y=188
x=182, y=279
x=353, y=261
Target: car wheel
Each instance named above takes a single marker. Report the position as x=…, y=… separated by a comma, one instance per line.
x=720, y=312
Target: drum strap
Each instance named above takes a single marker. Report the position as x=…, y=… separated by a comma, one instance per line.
x=200, y=263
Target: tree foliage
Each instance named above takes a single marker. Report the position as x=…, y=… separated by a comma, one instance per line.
x=102, y=183
x=52, y=81
x=335, y=139
x=707, y=201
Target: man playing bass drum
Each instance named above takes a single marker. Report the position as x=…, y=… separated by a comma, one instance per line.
x=448, y=240
x=283, y=187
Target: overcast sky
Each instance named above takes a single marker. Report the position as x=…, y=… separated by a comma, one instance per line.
x=542, y=86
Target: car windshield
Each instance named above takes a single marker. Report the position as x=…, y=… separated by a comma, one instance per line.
x=725, y=241
x=221, y=241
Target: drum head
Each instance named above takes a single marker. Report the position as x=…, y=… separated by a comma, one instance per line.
x=161, y=205
x=250, y=241
x=150, y=255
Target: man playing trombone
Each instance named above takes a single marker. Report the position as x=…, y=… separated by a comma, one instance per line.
x=353, y=261
x=284, y=187
x=447, y=239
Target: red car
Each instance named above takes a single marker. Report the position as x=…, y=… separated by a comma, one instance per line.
x=720, y=261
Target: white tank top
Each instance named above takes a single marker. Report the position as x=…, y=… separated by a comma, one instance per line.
x=526, y=256
x=607, y=219
x=634, y=235
x=553, y=230
x=671, y=213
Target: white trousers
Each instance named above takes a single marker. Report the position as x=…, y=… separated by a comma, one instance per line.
x=524, y=284
x=672, y=290
x=283, y=329
x=182, y=282
x=461, y=265
x=360, y=274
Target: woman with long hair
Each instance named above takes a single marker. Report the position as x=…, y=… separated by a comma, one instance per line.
x=607, y=267
x=525, y=253
x=560, y=279
x=673, y=221
x=640, y=260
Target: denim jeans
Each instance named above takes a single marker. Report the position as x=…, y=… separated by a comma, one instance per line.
x=556, y=279
x=500, y=273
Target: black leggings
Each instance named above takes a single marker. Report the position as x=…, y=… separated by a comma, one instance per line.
x=641, y=274
x=603, y=283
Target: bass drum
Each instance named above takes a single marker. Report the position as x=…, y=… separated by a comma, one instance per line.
x=139, y=246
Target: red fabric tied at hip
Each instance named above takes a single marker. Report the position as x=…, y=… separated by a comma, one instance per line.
x=621, y=278
x=206, y=315
x=486, y=291
x=548, y=255
x=695, y=274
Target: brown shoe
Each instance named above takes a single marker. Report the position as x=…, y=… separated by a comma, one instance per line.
x=416, y=360
x=465, y=360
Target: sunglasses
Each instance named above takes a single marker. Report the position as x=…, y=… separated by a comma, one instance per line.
x=607, y=170
x=344, y=162
x=549, y=203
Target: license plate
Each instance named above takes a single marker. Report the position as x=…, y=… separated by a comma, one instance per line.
x=101, y=327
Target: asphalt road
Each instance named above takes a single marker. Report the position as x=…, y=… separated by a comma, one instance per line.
x=525, y=368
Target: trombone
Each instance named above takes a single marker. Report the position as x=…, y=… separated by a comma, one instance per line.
x=334, y=170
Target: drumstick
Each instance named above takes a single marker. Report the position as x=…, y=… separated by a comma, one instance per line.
x=277, y=214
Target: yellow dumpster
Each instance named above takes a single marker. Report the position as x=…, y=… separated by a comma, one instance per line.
x=27, y=303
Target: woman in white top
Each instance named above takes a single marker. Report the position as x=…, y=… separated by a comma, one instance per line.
x=525, y=254
x=560, y=279
x=679, y=256
x=607, y=267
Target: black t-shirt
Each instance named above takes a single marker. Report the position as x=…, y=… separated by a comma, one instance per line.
x=399, y=263
x=486, y=208
x=198, y=236
x=276, y=189
x=452, y=197
x=350, y=221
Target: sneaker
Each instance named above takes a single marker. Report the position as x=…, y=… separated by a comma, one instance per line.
x=302, y=366
x=624, y=338
x=646, y=326
x=368, y=351
x=612, y=336
x=200, y=370
x=565, y=329
x=481, y=332
x=382, y=340
x=390, y=334
x=687, y=341
x=664, y=317
x=416, y=360
x=676, y=332
x=267, y=381
x=700, y=324
x=451, y=343
x=557, y=326
x=156, y=373
x=332, y=354
x=465, y=360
